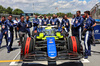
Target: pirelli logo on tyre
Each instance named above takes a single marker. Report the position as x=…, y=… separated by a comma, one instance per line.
x=74, y=43
x=27, y=45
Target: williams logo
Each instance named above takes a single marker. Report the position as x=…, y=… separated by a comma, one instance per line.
x=96, y=31
x=50, y=41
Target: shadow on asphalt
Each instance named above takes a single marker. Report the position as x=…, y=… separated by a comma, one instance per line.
x=64, y=64
x=95, y=52
x=3, y=46
x=15, y=49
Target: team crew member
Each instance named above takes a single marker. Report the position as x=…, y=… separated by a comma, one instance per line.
x=72, y=21
x=10, y=32
x=65, y=22
x=35, y=22
x=55, y=21
x=29, y=24
x=78, y=25
x=88, y=34
x=22, y=25
x=40, y=20
x=16, y=31
x=45, y=21
x=94, y=24
x=3, y=30
x=49, y=18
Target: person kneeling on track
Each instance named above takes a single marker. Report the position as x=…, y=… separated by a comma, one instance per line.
x=88, y=34
x=22, y=29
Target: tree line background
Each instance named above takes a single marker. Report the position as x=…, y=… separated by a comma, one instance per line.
x=17, y=11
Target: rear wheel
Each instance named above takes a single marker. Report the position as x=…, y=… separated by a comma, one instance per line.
x=73, y=44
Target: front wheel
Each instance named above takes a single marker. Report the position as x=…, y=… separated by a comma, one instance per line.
x=73, y=44
x=27, y=47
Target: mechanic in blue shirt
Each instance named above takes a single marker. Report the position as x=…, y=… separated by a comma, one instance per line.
x=88, y=34
x=94, y=24
x=3, y=30
x=49, y=18
x=10, y=24
x=65, y=23
x=35, y=22
x=40, y=20
x=29, y=25
x=58, y=21
x=55, y=21
x=45, y=21
x=78, y=25
x=22, y=25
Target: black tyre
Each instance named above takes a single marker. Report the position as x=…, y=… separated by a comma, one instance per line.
x=27, y=47
x=73, y=44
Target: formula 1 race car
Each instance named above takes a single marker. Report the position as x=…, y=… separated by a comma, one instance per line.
x=49, y=44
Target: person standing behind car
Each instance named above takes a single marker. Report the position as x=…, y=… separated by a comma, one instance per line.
x=16, y=31
x=10, y=24
x=65, y=23
x=94, y=24
x=72, y=22
x=88, y=34
x=29, y=24
x=78, y=25
x=35, y=23
x=3, y=30
x=55, y=21
x=40, y=20
x=49, y=18
x=22, y=25
x=45, y=21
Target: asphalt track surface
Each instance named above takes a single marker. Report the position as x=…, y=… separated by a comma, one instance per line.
x=13, y=58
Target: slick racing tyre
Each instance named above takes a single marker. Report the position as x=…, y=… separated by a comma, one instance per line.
x=27, y=47
x=73, y=44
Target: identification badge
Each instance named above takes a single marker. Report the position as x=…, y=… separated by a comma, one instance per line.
x=67, y=24
x=3, y=26
x=53, y=23
x=44, y=22
x=76, y=21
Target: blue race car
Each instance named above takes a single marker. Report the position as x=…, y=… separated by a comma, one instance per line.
x=49, y=44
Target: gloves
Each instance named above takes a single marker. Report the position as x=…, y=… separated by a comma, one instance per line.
x=83, y=33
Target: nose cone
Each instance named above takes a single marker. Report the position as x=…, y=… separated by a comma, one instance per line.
x=51, y=47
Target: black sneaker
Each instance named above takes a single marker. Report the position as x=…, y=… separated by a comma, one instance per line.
x=86, y=57
x=8, y=51
x=0, y=46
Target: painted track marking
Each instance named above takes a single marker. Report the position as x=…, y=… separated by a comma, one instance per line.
x=14, y=61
